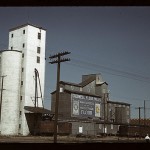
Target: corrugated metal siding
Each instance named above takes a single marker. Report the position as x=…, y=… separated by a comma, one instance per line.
x=47, y=128
x=64, y=105
x=90, y=88
x=120, y=115
x=88, y=128
x=134, y=131
x=33, y=121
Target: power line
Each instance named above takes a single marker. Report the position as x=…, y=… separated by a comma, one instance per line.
x=119, y=72
x=108, y=70
x=90, y=58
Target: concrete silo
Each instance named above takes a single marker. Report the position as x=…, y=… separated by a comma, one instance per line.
x=11, y=67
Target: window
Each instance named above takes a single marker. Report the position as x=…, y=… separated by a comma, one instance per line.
x=21, y=82
x=12, y=35
x=20, y=113
x=19, y=126
x=20, y=97
x=38, y=50
x=23, y=31
x=23, y=55
x=23, y=45
x=22, y=69
x=38, y=59
x=11, y=48
x=39, y=35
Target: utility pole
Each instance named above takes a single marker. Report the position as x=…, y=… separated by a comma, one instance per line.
x=104, y=114
x=139, y=108
x=58, y=61
x=144, y=113
x=2, y=95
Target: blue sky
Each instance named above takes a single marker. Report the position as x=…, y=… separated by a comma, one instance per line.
x=113, y=41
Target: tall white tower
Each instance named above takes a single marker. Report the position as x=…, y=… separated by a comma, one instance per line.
x=30, y=40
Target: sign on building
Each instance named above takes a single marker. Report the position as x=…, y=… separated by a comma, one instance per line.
x=80, y=129
x=85, y=106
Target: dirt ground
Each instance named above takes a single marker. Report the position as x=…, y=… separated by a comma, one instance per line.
x=69, y=139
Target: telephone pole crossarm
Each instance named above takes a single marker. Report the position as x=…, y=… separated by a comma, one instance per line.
x=59, y=54
x=58, y=61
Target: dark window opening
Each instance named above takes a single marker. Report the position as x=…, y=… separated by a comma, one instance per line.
x=12, y=35
x=23, y=55
x=38, y=59
x=23, y=31
x=11, y=48
x=39, y=35
x=38, y=50
x=23, y=45
x=22, y=69
x=20, y=97
x=20, y=113
x=21, y=82
x=19, y=126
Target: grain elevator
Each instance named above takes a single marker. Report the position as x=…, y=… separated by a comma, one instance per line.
x=18, y=66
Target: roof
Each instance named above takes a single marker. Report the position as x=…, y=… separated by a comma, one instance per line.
x=101, y=83
x=36, y=109
x=83, y=83
x=122, y=103
x=69, y=83
x=10, y=50
x=80, y=92
x=87, y=81
x=27, y=24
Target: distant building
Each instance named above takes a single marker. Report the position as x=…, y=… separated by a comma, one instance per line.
x=85, y=104
x=22, y=64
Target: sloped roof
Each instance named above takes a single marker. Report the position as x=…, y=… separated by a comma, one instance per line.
x=37, y=109
x=121, y=103
x=83, y=83
x=101, y=83
x=69, y=83
x=89, y=80
x=79, y=92
x=82, y=93
x=23, y=25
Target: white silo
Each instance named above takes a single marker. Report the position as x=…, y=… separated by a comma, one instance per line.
x=11, y=67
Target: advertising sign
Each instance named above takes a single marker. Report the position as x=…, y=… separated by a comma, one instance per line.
x=85, y=106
